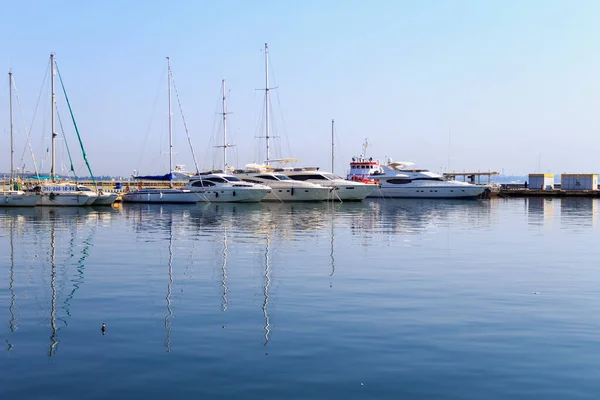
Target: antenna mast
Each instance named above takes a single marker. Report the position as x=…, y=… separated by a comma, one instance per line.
x=267, y=99
x=12, y=149
x=52, y=110
x=224, y=113
x=332, y=144
x=170, y=118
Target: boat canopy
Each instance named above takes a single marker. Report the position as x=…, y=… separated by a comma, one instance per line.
x=166, y=177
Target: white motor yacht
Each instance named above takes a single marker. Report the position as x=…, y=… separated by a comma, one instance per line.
x=343, y=189
x=282, y=187
x=400, y=180
x=221, y=187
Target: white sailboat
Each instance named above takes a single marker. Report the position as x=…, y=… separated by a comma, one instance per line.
x=60, y=193
x=282, y=187
x=170, y=195
x=10, y=197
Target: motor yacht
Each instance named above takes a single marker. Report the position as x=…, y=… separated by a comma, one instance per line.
x=401, y=180
x=217, y=186
x=282, y=187
x=343, y=189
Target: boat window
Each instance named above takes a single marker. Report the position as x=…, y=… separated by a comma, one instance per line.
x=268, y=177
x=203, y=183
x=429, y=179
x=307, y=177
x=215, y=179
x=233, y=178
x=282, y=177
x=398, y=181
x=251, y=181
x=332, y=176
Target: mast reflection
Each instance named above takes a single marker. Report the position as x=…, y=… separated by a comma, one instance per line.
x=53, y=340
x=266, y=289
x=168, y=297
x=12, y=322
x=224, y=271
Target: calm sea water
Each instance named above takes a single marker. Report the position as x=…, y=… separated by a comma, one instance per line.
x=374, y=300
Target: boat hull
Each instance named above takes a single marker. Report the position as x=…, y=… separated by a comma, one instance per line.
x=66, y=199
x=234, y=195
x=429, y=192
x=298, y=194
x=353, y=192
x=168, y=196
x=106, y=199
x=19, y=200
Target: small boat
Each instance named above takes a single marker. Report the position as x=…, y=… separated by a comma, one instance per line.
x=103, y=199
x=170, y=195
x=12, y=196
x=55, y=193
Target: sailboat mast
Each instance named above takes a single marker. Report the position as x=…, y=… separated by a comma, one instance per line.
x=224, y=127
x=12, y=148
x=52, y=111
x=267, y=99
x=170, y=118
x=332, y=144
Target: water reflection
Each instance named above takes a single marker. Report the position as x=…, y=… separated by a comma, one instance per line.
x=53, y=339
x=224, y=272
x=578, y=211
x=168, y=297
x=266, y=288
x=540, y=210
x=12, y=322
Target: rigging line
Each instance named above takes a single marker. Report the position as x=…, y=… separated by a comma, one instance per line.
x=75, y=125
x=187, y=132
x=162, y=75
x=26, y=133
x=287, y=140
x=34, y=111
x=62, y=131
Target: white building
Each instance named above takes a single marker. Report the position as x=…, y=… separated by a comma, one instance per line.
x=579, y=181
x=541, y=181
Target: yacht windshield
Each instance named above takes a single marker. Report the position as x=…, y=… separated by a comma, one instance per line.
x=267, y=177
x=233, y=179
x=332, y=176
x=282, y=177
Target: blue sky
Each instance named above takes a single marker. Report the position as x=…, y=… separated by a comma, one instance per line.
x=503, y=85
